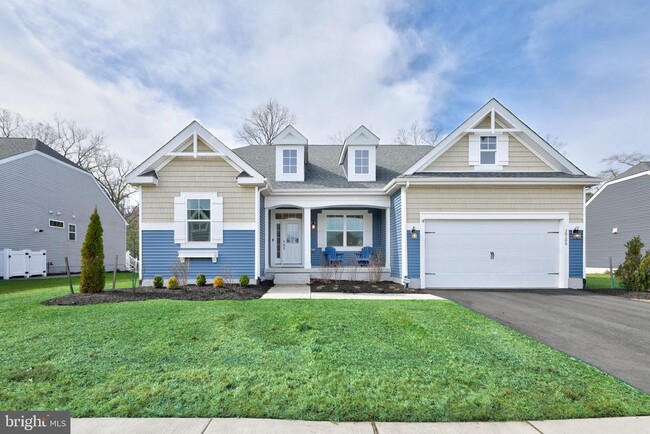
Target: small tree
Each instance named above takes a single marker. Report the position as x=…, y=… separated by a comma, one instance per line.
x=642, y=275
x=92, y=257
x=627, y=270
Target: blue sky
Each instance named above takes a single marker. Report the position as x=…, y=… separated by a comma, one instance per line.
x=578, y=70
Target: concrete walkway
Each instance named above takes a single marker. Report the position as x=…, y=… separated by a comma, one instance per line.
x=304, y=291
x=628, y=425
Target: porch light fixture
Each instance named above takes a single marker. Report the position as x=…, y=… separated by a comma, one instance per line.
x=414, y=234
x=313, y=225
x=576, y=233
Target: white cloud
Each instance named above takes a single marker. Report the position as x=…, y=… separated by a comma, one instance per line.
x=142, y=73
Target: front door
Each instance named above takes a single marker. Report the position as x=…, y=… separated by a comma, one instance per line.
x=290, y=239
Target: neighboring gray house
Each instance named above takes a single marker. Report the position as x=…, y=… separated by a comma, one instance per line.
x=618, y=211
x=47, y=201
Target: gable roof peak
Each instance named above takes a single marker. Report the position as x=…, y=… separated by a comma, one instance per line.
x=290, y=136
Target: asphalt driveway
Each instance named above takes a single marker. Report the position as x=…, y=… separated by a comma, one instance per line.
x=608, y=332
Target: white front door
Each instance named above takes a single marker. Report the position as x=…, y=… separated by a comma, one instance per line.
x=290, y=239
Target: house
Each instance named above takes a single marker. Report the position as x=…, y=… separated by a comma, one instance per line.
x=47, y=202
x=492, y=205
x=617, y=212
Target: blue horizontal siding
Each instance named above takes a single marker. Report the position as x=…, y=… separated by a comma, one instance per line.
x=236, y=255
x=575, y=257
x=413, y=254
x=395, y=231
x=378, y=237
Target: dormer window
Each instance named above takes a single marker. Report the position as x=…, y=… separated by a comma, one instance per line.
x=289, y=161
x=488, y=149
x=361, y=161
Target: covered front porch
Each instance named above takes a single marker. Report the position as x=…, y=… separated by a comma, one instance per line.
x=326, y=242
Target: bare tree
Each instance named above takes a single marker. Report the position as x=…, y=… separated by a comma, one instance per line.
x=417, y=135
x=557, y=143
x=339, y=137
x=265, y=122
x=11, y=124
x=618, y=163
x=80, y=145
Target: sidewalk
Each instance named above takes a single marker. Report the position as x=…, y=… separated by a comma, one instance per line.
x=304, y=291
x=628, y=425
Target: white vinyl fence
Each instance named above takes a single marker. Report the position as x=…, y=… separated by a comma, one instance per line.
x=22, y=263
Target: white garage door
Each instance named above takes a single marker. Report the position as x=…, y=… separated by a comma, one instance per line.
x=492, y=253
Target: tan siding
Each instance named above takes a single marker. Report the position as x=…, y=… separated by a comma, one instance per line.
x=521, y=159
x=455, y=159
x=200, y=175
x=494, y=199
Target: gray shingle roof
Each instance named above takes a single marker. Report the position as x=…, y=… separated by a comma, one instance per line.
x=495, y=175
x=14, y=146
x=642, y=166
x=323, y=169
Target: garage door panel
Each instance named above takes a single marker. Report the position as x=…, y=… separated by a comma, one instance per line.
x=491, y=253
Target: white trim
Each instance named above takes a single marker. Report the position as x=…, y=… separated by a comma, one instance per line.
x=140, y=229
x=169, y=226
x=387, y=238
x=353, y=139
x=194, y=154
x=306, y=238
x=616, y=181
x=372, y=164
x=208, y=253
x=75, y=231
x=405, y=263
x=257, y=233
x=318, y=201
x=290, y=136
x=367, y=229
x=194, y=128
x=299, y=176
x=488, y=181
x=475, y=118
x=49, y=224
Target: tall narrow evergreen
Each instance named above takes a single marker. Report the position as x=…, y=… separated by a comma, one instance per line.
x=92, y=257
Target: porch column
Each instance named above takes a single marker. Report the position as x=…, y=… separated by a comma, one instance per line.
x=306, y=237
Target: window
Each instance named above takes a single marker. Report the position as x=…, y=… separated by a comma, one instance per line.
x=56, y=224
x=488, y=150
x=198, y=220
x=361, y=161
x=72, y=232
x=290, y=161
x=345, y=230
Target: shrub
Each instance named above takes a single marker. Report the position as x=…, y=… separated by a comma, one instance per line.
x=200, y=280
x=642, y=275
x=218, y=282
x=172, y=283
x=244, y=280
x=627, y=270
x=158, y=281
x=92, y=257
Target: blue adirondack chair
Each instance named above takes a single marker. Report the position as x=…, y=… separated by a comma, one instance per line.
x=331, y=256
x=364, y=256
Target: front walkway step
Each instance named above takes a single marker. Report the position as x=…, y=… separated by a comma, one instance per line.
x=288, y=291
x=291, y=278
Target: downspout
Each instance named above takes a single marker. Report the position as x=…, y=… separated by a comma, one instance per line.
x=404, y=229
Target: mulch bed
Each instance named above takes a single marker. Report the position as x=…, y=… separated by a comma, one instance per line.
x=356, y=287
x=622, y=293
x=193, y=293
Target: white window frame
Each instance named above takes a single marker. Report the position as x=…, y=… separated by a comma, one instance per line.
x=72, y=232
x=290, y=166
x=57, y=221
x=188, y=220
x=359, y=165
x=488, y=150
x=353, y=175
x=367, y=230
x=216, y=220
x=299, y=174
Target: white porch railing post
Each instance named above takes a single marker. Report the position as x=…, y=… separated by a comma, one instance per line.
x=306, y=242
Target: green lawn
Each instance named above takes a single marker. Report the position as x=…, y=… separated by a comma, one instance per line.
x=601, y=281
x=297, y=359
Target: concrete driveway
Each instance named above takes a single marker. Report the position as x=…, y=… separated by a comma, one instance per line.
x=608, y=332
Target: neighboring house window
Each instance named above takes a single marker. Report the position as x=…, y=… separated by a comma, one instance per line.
x=488, y=149
x=56, y=224
x=198, y=220
x=290, y=161
x=72, y=232
x=345, y=230
x=361, y=161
